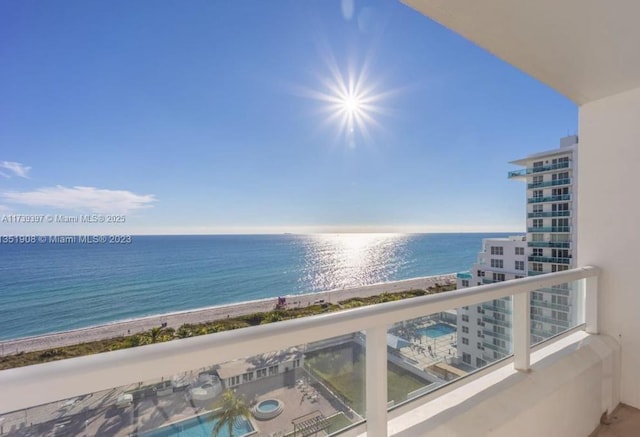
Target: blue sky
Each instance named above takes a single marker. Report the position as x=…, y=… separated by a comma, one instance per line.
x=205, y=117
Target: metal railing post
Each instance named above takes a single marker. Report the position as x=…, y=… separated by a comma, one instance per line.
x=376, y=382
x=522, y=331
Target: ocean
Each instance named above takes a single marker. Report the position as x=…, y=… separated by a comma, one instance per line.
x=48, y=288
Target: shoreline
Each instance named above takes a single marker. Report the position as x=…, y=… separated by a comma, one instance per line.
x=206, y=314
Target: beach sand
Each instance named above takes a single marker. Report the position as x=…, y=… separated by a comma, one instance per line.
x=201, y=315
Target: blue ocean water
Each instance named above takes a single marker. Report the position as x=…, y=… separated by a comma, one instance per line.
x=48, y=287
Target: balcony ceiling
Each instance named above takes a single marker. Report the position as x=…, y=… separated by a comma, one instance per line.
x=584, y=49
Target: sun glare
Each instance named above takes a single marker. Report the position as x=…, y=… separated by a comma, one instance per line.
x=350, y=100
x=351, y=105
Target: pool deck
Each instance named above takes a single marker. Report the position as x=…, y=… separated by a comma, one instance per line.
x=442, y=347
x=295, y=405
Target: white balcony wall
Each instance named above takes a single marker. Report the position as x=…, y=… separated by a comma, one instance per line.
x=569, y=386
x=609, y=220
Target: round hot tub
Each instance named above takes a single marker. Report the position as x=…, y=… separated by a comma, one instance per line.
x=268, y=409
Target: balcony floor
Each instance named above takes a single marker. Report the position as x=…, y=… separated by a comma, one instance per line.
x=624, y=422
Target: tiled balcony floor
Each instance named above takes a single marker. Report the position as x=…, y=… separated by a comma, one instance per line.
x=624, y=422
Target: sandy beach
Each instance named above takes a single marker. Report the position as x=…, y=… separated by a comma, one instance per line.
x=200, y=315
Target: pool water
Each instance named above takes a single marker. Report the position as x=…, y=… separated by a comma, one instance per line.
x=200, y=426
x=268, y=406
x=437, y=330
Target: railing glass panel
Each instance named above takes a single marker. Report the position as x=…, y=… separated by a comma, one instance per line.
x=313, y=388
x=555, y=310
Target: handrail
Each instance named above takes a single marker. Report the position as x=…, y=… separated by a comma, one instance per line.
x=42, y=383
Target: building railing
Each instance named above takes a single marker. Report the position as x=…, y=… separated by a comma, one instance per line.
x=549, y=214
x=548, y=259
x=495, y=347
x=463, y=275
x=539, y=318
x=553, y=306
x=551, y=183
x=550, y=229
x=557, y=198
x=490, y=333
x=50, y=382
x=491, y=320
x=557, y=244
x=557, y=291
x=532, y=170
x=490, y=307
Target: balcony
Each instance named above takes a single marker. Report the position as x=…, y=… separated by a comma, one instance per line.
x=546, y=259
x=557, y=244
x=558, y=198
x=558, y=291
x=549, y=214
x=607, y=98
x=463, y=275
x=552, y=183
x=550, y=229
x=487, y=306
x=495, y=347
x=489, y=319
x=64, y=385
x=552, y=321
x=535, y=170
x=490, y=333
x=553, y=306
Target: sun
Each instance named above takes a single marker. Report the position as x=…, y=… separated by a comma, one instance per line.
x=351, y=105
x=350, y=100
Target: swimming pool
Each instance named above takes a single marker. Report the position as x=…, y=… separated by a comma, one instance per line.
x=437, y=330
x=200, y=426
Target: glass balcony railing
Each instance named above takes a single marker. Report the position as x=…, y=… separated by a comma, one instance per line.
x=549, y=198
x=557, y=244
x=494, y=347
x=463, y=275
x=305, y=376
x=544, y=319
x=545, y=259
x=550, y=229
x=490, y=319
x=488, y=334
x=533, y=170
x=500, y=309
x=552, y=183
x=488, y=281
x=559, y=291
x=553, y=306
x=536, y=273
x=549, y=214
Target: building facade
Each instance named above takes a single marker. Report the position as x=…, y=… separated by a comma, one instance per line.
x=551, y=228
x=484, y=330
x=549, y=246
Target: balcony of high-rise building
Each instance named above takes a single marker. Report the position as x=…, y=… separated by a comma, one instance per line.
x=567, y=385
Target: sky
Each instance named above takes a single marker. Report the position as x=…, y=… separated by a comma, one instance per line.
x=215, y=116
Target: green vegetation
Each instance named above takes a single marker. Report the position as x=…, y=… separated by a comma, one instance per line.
x=159, y=335
x=227, y=411
x=342, y=369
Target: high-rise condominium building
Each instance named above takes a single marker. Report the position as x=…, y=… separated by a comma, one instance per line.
x=484, y=330
x=549, y=247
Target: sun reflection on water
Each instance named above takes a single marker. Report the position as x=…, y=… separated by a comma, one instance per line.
x=336, y=261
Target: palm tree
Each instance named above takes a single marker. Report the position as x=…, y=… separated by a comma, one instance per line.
x=155, y=334
x=227, y=410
